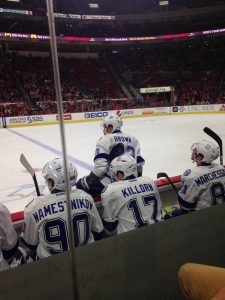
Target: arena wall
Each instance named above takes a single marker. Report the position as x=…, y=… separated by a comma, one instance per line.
x=36, y=120
x=140, y=264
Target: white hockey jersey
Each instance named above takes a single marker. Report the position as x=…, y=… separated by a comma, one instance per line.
x=132, y=203
x=8, y=236
x=46, y=223
x=202, y=186
x=106, y=143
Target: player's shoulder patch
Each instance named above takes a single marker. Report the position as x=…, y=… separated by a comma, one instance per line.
x=187, y=172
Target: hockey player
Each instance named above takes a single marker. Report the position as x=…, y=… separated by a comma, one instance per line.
x=45, y=217
x=112, y=144
x=129, y=202
x=10, y=254
x=204, y=184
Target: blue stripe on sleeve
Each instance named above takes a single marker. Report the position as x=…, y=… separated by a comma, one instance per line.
x=101, y=155
x=185, y=204
x=9, y=253
x=140, y=159
x=110, y=226
x=31, y=247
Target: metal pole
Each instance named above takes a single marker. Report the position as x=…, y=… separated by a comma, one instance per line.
x=51, y=23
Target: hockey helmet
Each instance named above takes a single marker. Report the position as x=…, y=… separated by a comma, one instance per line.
x=207, y=149
x=124, y=163
x=113, y=120
x=54, y=170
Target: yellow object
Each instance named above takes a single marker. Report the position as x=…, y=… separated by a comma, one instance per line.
x=201, y=282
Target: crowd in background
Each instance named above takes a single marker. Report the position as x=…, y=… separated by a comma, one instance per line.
x=89, y=84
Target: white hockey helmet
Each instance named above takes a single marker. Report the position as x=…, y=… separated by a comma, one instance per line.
x=54, y=170
x=207, y=149
x=124, y=163
x=113, y=120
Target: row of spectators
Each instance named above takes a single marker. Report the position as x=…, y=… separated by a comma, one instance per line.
x=196, y=73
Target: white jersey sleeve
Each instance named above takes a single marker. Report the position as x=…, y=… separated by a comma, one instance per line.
x=30, y=233
x=133, y=203
x=8, y=236
x=101, y=162
x=96, y=221
x=106, y=143
x=202, y=186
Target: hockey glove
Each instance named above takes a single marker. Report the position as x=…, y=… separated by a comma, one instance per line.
x=82, y=184
x=90, y=184
x=31, y=256
x=18, y=258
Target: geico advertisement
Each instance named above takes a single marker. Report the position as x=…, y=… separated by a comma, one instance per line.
x=93, y=115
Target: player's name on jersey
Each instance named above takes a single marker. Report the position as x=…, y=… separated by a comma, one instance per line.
x=60, y=206
x=210, y=176
x=136, y=189
x=119, y=138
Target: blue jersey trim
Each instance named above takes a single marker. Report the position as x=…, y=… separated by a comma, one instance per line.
x=140, y=159
x=98, y=235
x=117, y=131
x=101, y=155
x=185, y=204
x=110, y=226
x=31, y=247
x=9, y=253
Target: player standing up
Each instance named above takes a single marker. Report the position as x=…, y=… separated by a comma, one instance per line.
x=112, y=144
x=45, y=217
x=10, y=254
x=129, y=202
x=204, y=184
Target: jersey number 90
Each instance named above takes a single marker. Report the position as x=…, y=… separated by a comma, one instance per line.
x=56, y=232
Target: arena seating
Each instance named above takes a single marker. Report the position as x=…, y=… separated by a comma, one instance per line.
x=11, y=101
x=196, y=73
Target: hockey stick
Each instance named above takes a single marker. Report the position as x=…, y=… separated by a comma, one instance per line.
x=27, y=166
x=161, y=174
x=214, y=136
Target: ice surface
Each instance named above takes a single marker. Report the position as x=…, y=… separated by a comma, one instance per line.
x=165, y=144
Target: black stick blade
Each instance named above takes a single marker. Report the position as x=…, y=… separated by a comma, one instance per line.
x=215, y=136
x=161, y=174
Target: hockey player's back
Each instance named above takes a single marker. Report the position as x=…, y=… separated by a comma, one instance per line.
x=46, y=221
x=135, y=203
